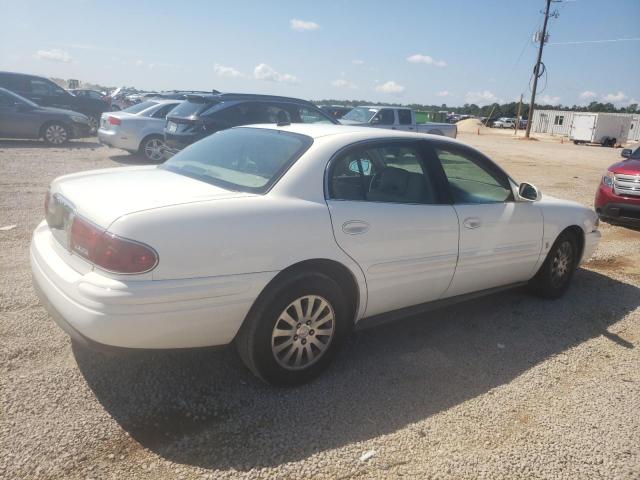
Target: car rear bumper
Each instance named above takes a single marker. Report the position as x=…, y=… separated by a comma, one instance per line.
x=116, y=139
x=101, y=311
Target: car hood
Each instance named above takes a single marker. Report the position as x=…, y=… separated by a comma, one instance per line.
x=60, y=111
x=102, y=196
x=628, y=167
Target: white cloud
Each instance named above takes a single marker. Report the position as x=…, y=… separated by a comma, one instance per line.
x=619, y=97
x=548, y=100
x=269, y=74
x=342, y=83
x=54, y=55
x=224, y=71
x=303, y=25
x=390, y=87
x=444, y=93
x=588, y=94
x=481, y=98
x=357, y=62
x=426, y=59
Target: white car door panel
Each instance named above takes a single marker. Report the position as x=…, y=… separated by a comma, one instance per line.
x=408, y=253
x=500, y=244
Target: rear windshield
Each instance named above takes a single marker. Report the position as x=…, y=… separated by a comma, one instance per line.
x=138, y=107
x=189, y=108
x=241, y=159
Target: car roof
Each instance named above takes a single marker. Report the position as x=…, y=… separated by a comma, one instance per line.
x=382, y=106
x=222, y=97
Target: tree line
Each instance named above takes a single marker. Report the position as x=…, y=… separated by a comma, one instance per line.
x=494, y=110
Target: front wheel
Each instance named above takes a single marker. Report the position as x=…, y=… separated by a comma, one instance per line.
x=554, y=277
x=292, y=337
x=56, y=133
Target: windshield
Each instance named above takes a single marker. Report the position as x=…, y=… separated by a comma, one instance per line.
x=138, y=107
x=361, y=114
x=243, y=159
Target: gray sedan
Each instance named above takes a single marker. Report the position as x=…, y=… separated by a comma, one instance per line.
x=22, y=118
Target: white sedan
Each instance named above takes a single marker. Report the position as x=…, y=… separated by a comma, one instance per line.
x=283, y=238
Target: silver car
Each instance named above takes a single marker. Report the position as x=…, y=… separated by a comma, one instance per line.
x=137, y=129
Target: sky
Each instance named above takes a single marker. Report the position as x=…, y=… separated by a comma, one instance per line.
x=427, y=52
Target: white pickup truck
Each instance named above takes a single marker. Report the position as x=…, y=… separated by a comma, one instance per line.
x=396, y=118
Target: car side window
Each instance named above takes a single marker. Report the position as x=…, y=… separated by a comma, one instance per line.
x=382, y=173
x=471, y=181
x=404, y=117
x=308, y=115
x=386, y=116
x=39, y=87
x=163, y=111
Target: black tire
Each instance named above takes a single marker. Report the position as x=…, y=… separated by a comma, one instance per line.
x=55, y=133
x=554, y=277
x=151, y=148
x=94, y=123
x=255, y=342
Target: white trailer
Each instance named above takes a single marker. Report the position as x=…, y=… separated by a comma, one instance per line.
x=607, y=130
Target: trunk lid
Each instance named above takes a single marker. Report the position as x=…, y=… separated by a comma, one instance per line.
x=102, y=196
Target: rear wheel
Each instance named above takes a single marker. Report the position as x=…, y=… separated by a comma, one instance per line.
x=554, y=277
x=55, y=133
x=152, y=148
x=293, y=333
x=93, y=123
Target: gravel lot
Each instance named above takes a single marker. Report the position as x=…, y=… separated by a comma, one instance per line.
x=508, y=386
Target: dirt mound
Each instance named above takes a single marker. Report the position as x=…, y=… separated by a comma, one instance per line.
x=470, y=125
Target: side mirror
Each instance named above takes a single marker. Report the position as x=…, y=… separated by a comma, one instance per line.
x=626, y=152
x=528, y=192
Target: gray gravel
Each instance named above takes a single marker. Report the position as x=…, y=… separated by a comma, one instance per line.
x=507, y=386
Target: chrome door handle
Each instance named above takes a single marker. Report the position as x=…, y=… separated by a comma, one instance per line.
x=355, y=227
x=472, y=222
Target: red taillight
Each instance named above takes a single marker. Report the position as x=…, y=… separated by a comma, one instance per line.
x=114, y=121
x=109, y=251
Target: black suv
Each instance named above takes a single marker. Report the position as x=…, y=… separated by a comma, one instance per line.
x=201, y=115
x=46, y=93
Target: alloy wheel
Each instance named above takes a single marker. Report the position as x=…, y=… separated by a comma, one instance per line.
x=55, y=134
x=153, y=149
x=303, y=332
x=93, y=124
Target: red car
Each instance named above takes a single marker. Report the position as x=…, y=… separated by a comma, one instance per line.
x=618, y=196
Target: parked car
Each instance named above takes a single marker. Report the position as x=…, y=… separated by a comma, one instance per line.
x=618, y=196
x=138, y=129
x=22, y=118
x=336, y=111
x=505, y=122
x=201, y=115
x=46, y=93
x=281, y=239
x=86, y=93
x=396, y=119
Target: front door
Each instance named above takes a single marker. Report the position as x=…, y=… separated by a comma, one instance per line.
x=500, y=238
x=388, y=215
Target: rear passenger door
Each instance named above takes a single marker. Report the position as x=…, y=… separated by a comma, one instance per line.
x=405, y=120
x=500, y=238
x=388, y=215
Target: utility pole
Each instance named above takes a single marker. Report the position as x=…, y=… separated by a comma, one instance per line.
x=515, y=132
x=536, y=69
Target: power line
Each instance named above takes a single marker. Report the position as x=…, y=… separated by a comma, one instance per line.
x=584, y=42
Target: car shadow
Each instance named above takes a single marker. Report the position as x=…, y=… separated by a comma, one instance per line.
x=72, y=144
x=204, y=409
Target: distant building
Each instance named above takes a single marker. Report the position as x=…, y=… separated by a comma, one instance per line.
x=558, y=122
